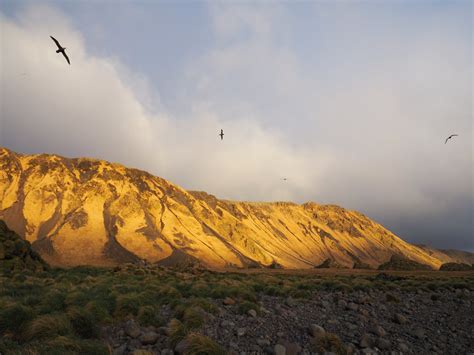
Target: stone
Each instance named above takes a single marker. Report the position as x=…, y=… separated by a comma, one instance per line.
x=263, y=342
x=163, y=331
x=120, y=350
x=252, y=313
x=227, y=323
x=342, y=303
x=400, y=318
x=351, y=326
x=279, y=350
x=419, y=333
x=350, y=349
x=134, y=344
x=403, y=347
x=241, y=332
x=316, y=330
x=378, y=330
x=352, y=306
x=167, y=352
x=364, y=312
x=383, y=344
x=290, y=302
x=293, y=349
x=280, y=334
x=255, y=349
x=149, y=338
x=132, y=329
x=228, y=301
x=182, y=346
x=365, y=341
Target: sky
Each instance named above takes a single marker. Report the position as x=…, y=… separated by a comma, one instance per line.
x=350, y=101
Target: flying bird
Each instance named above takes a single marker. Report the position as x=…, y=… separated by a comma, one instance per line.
x=222, y=134
x=61, y=49
x=451, y=136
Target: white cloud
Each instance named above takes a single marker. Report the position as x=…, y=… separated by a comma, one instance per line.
x=378, y=103
x=96, y=107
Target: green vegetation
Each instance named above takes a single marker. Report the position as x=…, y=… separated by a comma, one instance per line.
x=47, y=310
x=177, y=331
x=456, y=267
x=202, y=345
x=398, y=262
x=246, y=306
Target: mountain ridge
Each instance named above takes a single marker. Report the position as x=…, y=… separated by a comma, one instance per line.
x=89, y=211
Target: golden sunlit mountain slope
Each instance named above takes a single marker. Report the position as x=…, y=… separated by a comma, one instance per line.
x=85, y=211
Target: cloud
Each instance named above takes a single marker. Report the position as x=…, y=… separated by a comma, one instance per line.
x=96, y=107
x=377, y=98
x=349, y=114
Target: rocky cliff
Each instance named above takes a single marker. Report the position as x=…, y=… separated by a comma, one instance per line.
x=86, y=211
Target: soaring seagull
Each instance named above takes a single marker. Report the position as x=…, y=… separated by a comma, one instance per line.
x=61, y=49
x=222, y=134
x=451, y=136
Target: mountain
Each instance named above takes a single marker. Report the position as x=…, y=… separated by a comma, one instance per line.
x=86, y=211
x=449, y=255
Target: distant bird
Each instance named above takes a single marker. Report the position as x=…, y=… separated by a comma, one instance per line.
x=284, y=179
x=222, y=134
x=61, y=49
x=451, y=136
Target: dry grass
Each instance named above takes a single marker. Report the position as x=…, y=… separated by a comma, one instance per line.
x=328, y=342
x=48, y=326
x=202, y=345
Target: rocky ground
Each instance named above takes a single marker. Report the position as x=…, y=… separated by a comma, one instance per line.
x=373, y=321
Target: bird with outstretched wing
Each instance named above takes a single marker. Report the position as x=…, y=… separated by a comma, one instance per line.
x=61, y=49
x=451, y=136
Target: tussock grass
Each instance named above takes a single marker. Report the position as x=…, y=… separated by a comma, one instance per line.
x=205, y=304
x=177, y=331
x=194, y=317
x=327, y=342
x=84, y=323
x=202, y=345
x=149, y=315
x=246, y=306
x=53, y=301
x=127, y=304
x=143, y=352
x=14, y=317
x=100, y=309
x=47, y=326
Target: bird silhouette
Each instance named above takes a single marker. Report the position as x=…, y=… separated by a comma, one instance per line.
x=61, y=49
x=451, y=136
x=222, y=134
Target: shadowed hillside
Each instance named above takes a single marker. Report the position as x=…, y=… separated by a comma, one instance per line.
x=85, y=211
x=16, y=254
